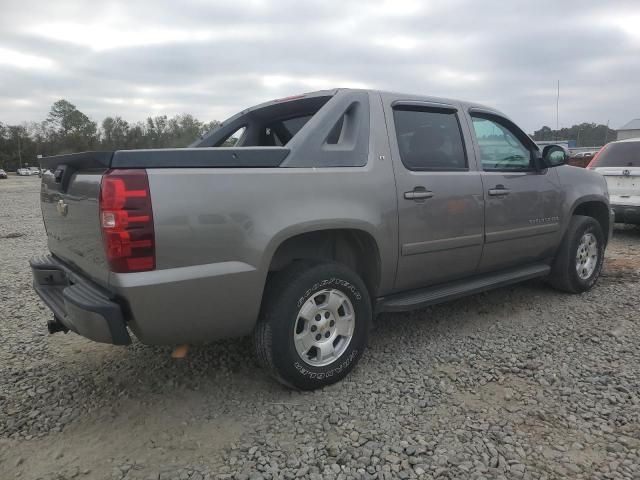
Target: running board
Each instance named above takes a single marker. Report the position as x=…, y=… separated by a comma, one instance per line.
x=416, y=299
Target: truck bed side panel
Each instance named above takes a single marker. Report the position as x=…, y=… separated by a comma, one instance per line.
x=212, y=227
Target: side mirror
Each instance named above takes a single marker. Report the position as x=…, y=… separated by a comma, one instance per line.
x=554, y=156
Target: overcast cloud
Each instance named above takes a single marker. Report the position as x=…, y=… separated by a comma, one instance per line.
x=213, y=58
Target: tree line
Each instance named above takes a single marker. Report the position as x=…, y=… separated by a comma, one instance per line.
x=585, y=134
x=66, y=129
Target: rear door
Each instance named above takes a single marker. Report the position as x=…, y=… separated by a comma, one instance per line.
x=522, y=201
x=440, y=203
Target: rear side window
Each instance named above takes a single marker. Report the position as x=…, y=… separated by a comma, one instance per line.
x=623, y=154
x=429, y=139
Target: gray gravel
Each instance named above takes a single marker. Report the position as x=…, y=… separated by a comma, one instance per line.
x=522, y=382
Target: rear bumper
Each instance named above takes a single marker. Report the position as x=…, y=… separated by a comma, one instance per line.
x=626, y=213
x=77, y=303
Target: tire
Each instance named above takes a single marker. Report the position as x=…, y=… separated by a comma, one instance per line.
x=566, y=274
x=283, y=334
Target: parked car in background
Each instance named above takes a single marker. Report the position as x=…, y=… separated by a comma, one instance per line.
x=619, y=162
x=3, y=174
x=28, y=171
x=329, y=208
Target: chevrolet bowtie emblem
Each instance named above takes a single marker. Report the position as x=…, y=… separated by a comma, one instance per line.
x=62, y=208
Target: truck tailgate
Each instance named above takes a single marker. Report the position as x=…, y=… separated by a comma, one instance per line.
x=69, y=199
x=623, y=184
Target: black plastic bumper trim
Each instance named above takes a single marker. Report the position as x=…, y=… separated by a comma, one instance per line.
x=76, y=301
x=626, y=213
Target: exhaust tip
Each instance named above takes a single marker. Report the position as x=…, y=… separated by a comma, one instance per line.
x=55, y=326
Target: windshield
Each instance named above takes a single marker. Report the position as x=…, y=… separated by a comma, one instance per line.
x=623, y=154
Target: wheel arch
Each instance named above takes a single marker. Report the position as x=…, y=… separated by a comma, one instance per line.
x=596, y=208
x=355, y=247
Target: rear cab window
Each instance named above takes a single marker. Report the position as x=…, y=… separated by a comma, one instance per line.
x=319, y=129
x=619, y=154
x=272, y=125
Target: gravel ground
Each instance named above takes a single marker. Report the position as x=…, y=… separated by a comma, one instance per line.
x=521, y=382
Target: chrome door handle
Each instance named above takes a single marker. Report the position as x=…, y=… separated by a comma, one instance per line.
x=418, y=194
x=499, y=191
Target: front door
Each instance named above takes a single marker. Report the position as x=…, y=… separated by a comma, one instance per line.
x=440, y=200
x=522, y=201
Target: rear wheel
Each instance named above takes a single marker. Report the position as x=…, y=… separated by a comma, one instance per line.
x=579, y=261
x=314, y=324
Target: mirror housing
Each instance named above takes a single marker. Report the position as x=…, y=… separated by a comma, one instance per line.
x=554, y=156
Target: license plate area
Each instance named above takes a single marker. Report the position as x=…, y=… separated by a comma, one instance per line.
x=51, y=277
x=619, y=185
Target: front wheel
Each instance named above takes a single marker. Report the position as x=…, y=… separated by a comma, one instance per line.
x=314, y=324
x=579, y=261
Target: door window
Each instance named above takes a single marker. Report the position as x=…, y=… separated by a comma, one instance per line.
x=429, y=139
x=500, y=148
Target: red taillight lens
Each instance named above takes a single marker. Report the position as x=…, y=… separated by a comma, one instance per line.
x=126, y=219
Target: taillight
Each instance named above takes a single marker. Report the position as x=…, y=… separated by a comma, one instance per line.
x=126, y=219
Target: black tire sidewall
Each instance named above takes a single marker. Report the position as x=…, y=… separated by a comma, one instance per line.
x=287, y=362
x=589, y=225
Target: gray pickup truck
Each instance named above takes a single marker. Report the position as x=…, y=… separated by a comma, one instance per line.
x=299, y=219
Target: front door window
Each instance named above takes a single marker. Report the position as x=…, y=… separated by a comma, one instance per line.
x=500, y=149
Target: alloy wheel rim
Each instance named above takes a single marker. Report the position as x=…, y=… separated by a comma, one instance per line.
x=587, y=256
x=324, y=327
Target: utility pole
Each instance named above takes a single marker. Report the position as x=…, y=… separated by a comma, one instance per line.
x=558, y=111
x=19, y=152
x=606, y=133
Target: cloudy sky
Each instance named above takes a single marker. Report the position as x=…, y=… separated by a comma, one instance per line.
x=212, y=58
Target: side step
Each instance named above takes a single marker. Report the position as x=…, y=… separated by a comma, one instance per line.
x=421, y=298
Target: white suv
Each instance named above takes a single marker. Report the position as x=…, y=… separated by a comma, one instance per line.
x=619, y=162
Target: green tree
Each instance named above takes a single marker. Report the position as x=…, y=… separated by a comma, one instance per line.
x=157, y=132
x=66, y=129
x=72, y=130
x=184, y=129
x=585, y=134
x=115, y=133
x=60, y=116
